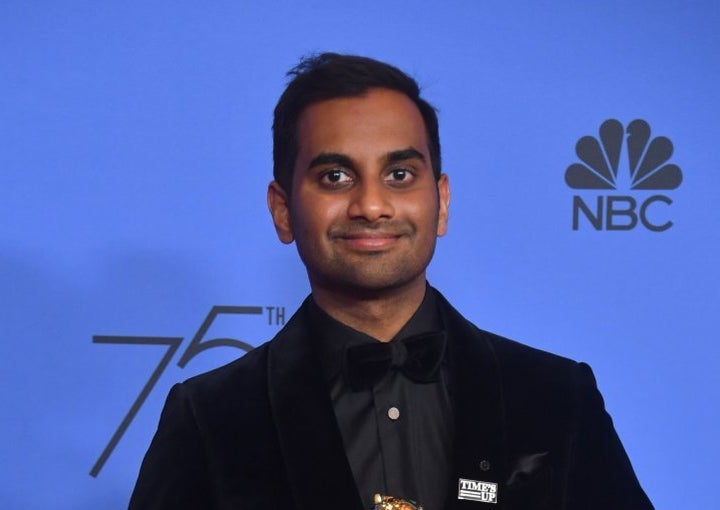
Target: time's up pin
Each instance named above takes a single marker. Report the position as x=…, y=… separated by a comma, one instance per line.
x=476, y=490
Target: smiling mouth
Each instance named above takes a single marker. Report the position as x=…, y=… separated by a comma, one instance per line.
x=369, y=238
x=371, y=242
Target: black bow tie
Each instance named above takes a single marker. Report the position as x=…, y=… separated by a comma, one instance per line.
x=418, y=357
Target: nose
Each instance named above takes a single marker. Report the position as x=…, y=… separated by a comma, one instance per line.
x=371, y=201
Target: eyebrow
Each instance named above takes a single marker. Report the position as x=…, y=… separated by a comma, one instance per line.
x=404, y=155
x=330, y=158
x=336, y=158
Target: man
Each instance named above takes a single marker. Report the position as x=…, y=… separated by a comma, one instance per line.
x=377, y=385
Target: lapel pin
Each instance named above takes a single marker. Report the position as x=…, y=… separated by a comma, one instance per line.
x=476, y=490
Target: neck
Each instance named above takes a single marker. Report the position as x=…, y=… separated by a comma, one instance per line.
x=380, y=314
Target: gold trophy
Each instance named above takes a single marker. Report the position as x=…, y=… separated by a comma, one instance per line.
x=393, y=503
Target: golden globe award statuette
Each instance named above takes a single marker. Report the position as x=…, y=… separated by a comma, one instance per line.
x=393, y=503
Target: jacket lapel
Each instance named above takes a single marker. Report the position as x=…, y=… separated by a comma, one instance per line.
x=309, y=436
x=317, y=467
x=480, y=442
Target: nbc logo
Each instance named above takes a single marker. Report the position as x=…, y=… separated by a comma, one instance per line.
x=598, y=169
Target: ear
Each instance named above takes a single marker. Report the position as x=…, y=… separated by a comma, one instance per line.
x=443, y=185
x=279, y=207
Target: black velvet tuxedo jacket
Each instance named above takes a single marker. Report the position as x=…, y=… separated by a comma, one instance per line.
x=260, y=433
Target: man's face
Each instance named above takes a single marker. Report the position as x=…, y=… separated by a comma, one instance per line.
x=365, y=208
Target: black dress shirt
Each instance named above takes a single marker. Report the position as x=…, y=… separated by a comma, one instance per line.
x=397, y=434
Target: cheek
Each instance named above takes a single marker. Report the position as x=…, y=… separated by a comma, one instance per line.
x=331, y=211
x=424, y=213
x=312, y=216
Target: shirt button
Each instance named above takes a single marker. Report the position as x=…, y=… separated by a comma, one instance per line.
x=393, y=413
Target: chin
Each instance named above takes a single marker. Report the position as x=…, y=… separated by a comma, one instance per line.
x=363, y=283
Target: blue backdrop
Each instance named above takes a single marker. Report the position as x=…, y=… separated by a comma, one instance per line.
x=135, y=154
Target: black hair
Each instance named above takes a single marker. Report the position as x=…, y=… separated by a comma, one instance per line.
x=329, y=76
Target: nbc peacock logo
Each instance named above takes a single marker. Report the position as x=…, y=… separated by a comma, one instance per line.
x=648, y=169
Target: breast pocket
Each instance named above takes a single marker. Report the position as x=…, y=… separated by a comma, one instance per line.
x=530, y=482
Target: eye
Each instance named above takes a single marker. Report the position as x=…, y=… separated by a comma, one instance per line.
x=399, y=176
x=335, y=178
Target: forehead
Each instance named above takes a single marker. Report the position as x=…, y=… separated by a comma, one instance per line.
x=379, y=121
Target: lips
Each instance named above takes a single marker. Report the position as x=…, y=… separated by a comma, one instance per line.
x=371, y=243
x=369, y=239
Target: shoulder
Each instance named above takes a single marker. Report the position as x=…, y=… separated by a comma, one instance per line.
x=515, y=356
x=543, y=394
x=223, y=402
x=246, y=371
x=506, y=352
x=523, y=371
x=249, y=372
x=539, y=379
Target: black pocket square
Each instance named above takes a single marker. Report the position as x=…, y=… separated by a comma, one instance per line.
x=530, y=481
